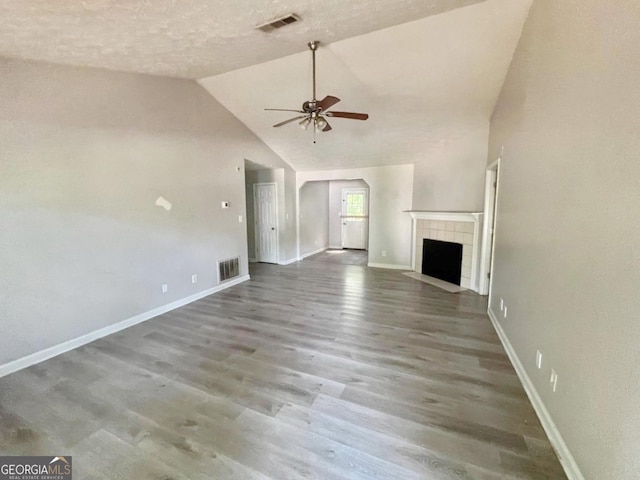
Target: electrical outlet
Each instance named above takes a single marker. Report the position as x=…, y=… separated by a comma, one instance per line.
x=194, y=278
x=165, y=288
x=538, y=359
x=239, y=218
x=553, y=379
x=501, y=304
x=384, y=253
x=505, y=311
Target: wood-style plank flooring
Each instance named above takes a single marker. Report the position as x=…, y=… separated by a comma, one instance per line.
x=311, y=371
x=341, y=256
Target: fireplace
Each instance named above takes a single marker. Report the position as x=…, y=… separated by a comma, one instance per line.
x=462, y=228
x=442, y=260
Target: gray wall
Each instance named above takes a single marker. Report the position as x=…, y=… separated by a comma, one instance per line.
x=85, y=153
x=453, y=179
x=335, y=208
x=314, y=216
x=289, y=237
x=567, y=252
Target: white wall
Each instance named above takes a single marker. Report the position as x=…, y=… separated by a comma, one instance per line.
x=314, y=217
x=85, y=153
x=390, y=190
x=567, y=259
x=335, y=208
x=452, y=178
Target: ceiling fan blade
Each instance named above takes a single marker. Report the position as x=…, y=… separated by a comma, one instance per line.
x=327, y=127
x=290, y=120
x=327, y=102
x=283, y=110
x=351, y=115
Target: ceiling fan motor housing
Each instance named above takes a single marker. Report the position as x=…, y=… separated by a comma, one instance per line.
x=309, y=106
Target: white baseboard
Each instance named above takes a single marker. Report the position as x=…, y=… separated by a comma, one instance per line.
x=288, y=262
x=389, y=265
x=61, y=348
x=564, y=454
x=334, y=247
x=315, y=252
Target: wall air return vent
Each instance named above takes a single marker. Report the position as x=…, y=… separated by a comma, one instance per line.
x=279, y=23
x=228, y=269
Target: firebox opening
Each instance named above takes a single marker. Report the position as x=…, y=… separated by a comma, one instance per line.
x=442, y=260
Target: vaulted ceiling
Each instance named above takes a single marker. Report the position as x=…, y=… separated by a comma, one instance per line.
x=427, y=71
x=425, y=84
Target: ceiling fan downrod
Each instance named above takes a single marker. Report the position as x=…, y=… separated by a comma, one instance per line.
x=313, y=46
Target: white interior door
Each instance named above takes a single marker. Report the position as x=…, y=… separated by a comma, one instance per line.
x=266, y=219
x=355, y=218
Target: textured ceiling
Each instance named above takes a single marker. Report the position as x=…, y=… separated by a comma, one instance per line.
x=189, y=38
x=427, y=71
x=426, y=84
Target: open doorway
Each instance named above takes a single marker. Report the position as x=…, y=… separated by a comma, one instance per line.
x=334, y=221
x=264, y=212
x=272, y=230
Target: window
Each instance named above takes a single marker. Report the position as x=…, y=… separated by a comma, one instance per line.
x=355, y=205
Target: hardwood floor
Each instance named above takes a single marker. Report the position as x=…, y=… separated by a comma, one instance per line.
x=341, y=256
x=310, y=371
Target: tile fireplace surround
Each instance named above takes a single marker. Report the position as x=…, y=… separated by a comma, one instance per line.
x=457, y=227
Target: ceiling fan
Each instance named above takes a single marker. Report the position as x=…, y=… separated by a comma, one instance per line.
x=315, y=111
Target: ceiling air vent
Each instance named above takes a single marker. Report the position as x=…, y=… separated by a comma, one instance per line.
x=279, y=23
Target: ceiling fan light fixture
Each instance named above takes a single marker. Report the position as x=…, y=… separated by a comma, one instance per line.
x=314, y=110
x=321, y=123
x=304, y=124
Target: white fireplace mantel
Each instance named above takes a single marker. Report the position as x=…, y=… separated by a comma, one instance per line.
x=467, y=217
x=446, y=216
